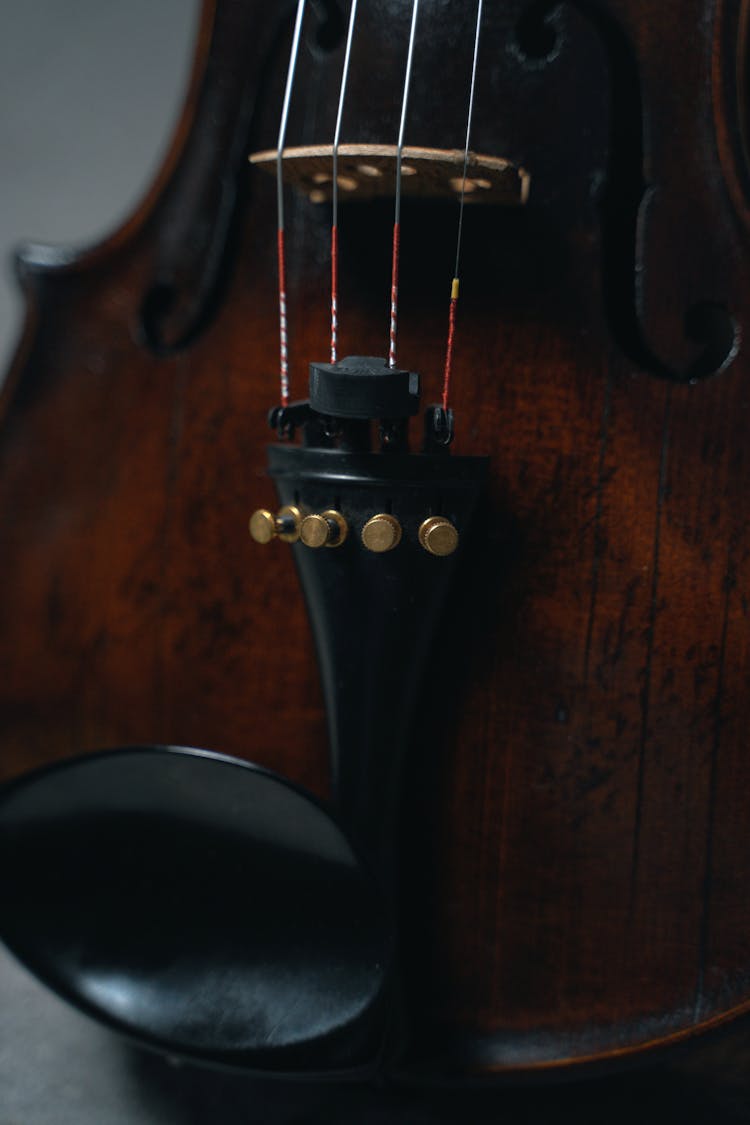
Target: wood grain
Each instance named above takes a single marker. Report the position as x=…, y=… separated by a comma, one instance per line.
x=576, y=845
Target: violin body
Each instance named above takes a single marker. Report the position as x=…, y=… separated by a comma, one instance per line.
x=574, y=841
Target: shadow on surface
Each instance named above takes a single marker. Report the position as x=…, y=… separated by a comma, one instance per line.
x=658, y=1097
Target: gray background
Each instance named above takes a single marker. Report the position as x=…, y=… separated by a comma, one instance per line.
x=89, y=93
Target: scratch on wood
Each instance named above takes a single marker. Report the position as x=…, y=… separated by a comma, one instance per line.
x=646, y=694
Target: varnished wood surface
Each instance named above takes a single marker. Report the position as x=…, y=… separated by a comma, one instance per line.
x=576, y=856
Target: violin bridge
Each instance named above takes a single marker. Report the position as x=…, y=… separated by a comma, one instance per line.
x=368, y=171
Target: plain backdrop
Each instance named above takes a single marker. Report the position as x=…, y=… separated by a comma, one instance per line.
x=90, y=91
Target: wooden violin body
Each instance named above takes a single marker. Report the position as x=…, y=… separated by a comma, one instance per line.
x=575, y=839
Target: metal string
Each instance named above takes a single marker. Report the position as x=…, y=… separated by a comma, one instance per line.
x=455, y=281
x=283, y=349
x=397, y=217
x=335, y=209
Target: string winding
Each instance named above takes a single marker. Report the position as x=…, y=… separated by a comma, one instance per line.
x=283, y=331
x=396, y=245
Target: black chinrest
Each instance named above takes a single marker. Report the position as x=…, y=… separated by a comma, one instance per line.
x=199, y=904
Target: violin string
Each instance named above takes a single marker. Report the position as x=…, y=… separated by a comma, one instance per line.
x=455, y=281
x=335, y=208
x=283, y=339
x=397, y=217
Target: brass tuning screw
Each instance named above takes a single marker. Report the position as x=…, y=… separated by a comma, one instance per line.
x=381, y=533
x=438, y=536
x=329, y=529
x=285, y=525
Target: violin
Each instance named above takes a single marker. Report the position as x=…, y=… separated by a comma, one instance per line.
x=442, y=770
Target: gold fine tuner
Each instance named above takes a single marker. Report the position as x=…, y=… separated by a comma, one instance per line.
x=438, y=536
x=329, y=529
x=285, y=525
x=381, y=533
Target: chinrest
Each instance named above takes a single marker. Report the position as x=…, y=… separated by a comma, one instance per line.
x=199, y=904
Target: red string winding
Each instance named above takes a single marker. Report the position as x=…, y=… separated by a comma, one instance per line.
x=394, y=294
x=334, y=291
x=283, y=351
x=449, y=350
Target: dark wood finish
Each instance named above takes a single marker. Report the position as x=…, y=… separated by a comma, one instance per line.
x=577, y=848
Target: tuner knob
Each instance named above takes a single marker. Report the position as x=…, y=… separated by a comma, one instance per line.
x=265, y=526
x=381, y=533
x=438, y=536
x=329, y=529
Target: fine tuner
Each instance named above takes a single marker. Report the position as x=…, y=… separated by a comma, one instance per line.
x=265, y=526
x=381, y=533
x=325, y=529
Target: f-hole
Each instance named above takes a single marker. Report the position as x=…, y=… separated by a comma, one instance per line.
x=708, y=324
